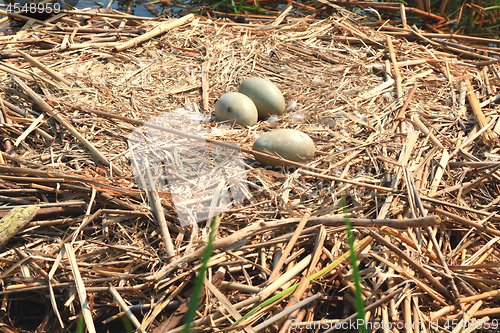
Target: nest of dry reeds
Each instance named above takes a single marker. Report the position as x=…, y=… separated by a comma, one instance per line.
x=405, y=127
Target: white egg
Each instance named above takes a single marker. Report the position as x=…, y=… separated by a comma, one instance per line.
x=236, y=107
x=266, y=96
x=288, y=143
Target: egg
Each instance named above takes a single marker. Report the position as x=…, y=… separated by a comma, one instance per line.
x=288, y=143
x=266, y=96
x=237, y=108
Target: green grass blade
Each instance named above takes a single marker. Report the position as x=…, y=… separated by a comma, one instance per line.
x=80, y=324
x=240, y=6
x=129, y=328
x=254, y=9
x=200, y=279
x=360, y=305
x=234, y=7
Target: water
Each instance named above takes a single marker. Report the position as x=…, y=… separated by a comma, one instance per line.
x=174, y=8
x=137, y=8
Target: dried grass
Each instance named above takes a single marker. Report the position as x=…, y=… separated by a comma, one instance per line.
x=402, y=131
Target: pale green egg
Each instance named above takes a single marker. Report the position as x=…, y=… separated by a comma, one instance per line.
x=288, y=143
x=266, y=96
x=236, y=107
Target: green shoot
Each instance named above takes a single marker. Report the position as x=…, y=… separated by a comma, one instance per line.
x=127, y=324
x=80, y=324
x=234, y=6
x=240, y=6
x=360, y=305
x=200, y=279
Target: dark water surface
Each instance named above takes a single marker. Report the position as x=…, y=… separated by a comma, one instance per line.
x=472, y=22
x=137, y=7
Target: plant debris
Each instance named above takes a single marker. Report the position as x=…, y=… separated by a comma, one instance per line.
x=405, y=125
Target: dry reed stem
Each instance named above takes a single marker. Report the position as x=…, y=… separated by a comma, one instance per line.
x=80, y=287
x=44, y=68
x=125, y=308
x=153, y=33
x=478, y=113
x=395, y=67
x=288, y=248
